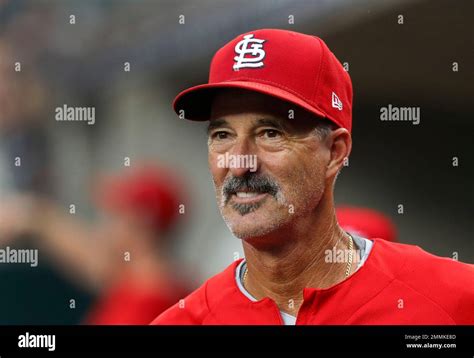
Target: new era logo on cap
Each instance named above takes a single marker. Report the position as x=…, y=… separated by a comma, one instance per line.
x=336, y=102
x=287, y=65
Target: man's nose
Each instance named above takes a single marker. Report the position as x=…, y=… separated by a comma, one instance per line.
x=243, y=158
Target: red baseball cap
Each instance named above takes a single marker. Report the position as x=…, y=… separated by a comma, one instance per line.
x=288, y=65
x=366, y=222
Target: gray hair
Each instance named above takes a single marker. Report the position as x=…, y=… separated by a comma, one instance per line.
x=324, y=127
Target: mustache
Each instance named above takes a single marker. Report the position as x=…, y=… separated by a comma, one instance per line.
x=249, y=182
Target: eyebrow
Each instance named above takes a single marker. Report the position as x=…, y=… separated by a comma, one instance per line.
x=262, y=122
x=216, y=123
x=269, y=122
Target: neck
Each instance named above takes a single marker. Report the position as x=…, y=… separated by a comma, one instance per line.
x=296, y=259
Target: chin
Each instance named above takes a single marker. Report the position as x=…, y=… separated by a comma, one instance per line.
x=252, y=225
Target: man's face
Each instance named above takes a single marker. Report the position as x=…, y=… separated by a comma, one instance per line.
x=287, y=179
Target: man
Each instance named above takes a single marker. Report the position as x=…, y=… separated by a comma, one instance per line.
x=283, y=99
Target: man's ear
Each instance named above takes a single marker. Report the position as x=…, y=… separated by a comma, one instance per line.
x=340, y=145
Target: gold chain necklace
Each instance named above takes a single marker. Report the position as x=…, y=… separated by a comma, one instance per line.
x=349, y=262
x=348, y=268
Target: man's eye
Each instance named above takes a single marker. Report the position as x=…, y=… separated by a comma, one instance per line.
x=220, y=135
x=271, y=133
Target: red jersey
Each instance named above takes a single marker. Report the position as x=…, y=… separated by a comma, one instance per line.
x=397, y=285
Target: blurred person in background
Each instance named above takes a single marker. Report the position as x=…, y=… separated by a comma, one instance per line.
x=366, y=222
x=125, y=258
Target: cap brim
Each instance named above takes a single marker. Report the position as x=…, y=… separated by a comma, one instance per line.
x=196, y=101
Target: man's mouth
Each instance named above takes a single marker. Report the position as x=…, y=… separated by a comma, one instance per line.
x=247, y=197
x=248, y=193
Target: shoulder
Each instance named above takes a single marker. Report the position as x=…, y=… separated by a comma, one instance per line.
x=195, y=308
x=443, y=281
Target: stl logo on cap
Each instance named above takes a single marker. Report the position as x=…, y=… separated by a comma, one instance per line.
x=256, y=50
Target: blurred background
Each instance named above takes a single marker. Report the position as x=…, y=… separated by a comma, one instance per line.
x=65, y=187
